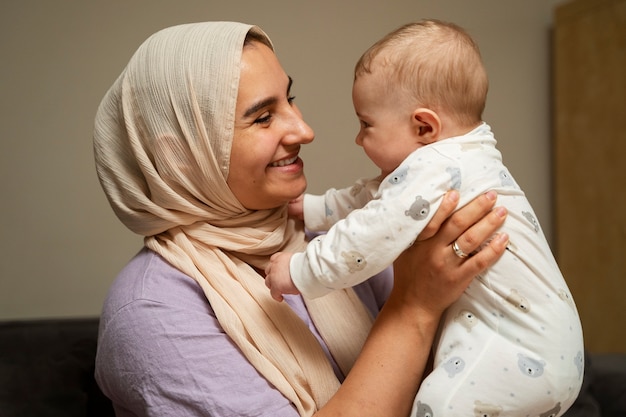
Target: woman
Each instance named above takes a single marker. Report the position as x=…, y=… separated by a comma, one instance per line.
x=196, y=148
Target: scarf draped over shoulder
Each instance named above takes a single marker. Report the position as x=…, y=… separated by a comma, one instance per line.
x=162, y=141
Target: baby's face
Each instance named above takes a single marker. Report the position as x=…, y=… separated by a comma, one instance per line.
x=386, y=131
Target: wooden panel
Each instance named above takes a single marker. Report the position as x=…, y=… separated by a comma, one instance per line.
x=590, y=159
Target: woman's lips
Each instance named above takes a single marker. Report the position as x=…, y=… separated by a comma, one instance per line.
x=283, y=162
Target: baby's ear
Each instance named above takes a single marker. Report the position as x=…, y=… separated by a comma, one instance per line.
x=427, y=125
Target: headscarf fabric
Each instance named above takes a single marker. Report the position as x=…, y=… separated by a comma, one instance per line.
x=162, y=140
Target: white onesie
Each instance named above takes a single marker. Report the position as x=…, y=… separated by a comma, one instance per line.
x=512, y=345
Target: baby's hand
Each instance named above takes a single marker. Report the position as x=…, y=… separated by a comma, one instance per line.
x=277, y=276
x=295, y=208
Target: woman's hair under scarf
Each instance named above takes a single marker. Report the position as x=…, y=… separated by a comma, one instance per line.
x=162, y=142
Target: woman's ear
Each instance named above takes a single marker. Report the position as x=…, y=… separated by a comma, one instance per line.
x=427, y=125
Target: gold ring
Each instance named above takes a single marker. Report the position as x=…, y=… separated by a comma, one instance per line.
x=458, y=252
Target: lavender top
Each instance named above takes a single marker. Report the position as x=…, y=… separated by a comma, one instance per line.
x=162, y=352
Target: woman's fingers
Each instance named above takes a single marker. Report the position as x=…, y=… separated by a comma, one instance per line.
x=486, y=256
x=453, y=224
x=483, y=230
x=447, y=206
x=466, y=216
x=465, y=231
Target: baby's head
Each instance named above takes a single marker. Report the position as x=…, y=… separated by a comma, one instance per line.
x=431, y=64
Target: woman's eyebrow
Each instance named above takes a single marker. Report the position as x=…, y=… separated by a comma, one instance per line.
x=259, y=105
x=266, y=102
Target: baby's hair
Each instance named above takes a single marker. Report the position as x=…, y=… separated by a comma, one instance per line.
x=436, y=63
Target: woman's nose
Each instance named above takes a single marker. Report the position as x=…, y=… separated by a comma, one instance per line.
x=301, y=132
x=307, y=132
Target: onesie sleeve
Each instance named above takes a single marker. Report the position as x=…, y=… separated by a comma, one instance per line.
x=322, y=211
x=368, y=240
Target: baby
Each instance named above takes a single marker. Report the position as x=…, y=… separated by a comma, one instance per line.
x=513, y=344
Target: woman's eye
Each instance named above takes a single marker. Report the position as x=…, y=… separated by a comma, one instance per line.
x=263, y=119
x=290, y=99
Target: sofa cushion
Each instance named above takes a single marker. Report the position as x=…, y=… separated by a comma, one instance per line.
x=609, y=383
x=47, y=368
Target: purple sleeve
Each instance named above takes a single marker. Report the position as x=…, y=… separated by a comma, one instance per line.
x=161, y=350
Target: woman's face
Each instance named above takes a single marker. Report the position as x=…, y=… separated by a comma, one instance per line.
x=265, y=170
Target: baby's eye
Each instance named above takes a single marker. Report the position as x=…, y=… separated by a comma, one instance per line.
x=364, y=124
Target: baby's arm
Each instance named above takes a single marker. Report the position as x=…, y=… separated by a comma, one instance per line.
x=369, y=239
x=321, y=212
x=277, y=276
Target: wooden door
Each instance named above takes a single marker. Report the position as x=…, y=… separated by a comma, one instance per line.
x=589, y=79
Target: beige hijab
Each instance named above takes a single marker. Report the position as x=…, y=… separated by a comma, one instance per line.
x=162, y=141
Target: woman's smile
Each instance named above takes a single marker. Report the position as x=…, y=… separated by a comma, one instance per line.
x=283, y=162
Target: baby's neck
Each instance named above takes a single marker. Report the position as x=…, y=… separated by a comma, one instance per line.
x=451, y=130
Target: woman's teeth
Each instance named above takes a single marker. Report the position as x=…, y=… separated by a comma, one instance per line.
x=284, y=162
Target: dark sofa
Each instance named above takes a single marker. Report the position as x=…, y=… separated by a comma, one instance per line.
x=46, y=369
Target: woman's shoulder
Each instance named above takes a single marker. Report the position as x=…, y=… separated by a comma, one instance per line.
x=158, y=334
x=149, y=277
x=148, y=293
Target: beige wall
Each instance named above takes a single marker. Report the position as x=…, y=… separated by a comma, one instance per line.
x=61, y=245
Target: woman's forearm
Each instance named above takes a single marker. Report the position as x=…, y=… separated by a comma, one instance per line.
x=386, y=376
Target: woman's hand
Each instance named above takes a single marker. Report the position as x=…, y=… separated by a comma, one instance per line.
x=431, y=272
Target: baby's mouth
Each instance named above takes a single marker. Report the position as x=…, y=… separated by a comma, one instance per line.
x=284, y=162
